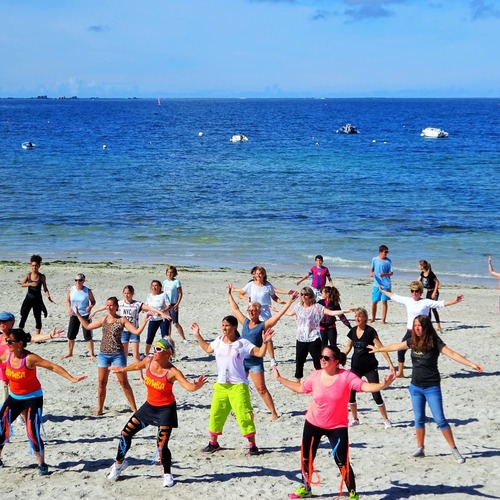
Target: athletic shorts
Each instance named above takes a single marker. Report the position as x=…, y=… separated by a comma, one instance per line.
x=148, y=414
x=378, y=296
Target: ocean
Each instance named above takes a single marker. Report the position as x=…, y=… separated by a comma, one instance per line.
x=142, y=180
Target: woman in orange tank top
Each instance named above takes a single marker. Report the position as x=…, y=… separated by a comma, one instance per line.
x=25, y=392
x=159, y=409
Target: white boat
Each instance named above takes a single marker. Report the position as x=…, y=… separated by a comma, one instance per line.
x=348, y=128
x=238, y=138
x=28, y=145
x=434, y=133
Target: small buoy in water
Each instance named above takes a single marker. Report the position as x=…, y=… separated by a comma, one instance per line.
x=104, y=146
x=200, y=134
x=374, y=140
x=316, y=144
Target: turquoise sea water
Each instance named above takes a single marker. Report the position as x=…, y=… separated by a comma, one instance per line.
x=159, y=192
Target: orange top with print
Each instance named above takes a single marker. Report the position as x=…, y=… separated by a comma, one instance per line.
x=22, y=380
x=159, y=388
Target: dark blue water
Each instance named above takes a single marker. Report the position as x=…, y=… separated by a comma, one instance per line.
x=160, y=192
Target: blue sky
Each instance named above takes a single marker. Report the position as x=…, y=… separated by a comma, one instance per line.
x=250, y=48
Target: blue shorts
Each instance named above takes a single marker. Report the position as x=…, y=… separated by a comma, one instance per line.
x=253, y=364
x=377, y=295
x=107, y=360
x=130, y=337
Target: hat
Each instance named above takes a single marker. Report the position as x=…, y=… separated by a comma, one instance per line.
x=80, y=276
x=7, y=316
x=416, y=285
x=164, y=344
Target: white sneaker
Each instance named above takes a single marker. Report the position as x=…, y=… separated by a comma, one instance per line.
x=168, y=480
x=457, y=456
x=116, y=470
x=185, y=341
x=388, y=424
x=354, y=422
x=420, y=453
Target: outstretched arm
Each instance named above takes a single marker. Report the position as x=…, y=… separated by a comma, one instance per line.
x=455, y=356
x=398, y=346
x=260, y=352
x=35, y=360
x=378, y=345
x=233, y=305
x=138, y=365
x=269, y=323
x=373, y=387
x=175, y=374
x=291, y=384
x=329, y=312
x=385, y=292
x=302, y=279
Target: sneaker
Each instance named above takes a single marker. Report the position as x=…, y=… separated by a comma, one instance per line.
x=419, y=453
x=353, y=495
x=185, y=341
x=457, y=456
x=211, y=448
x=301, y=492
x=253, y=451
x=388, y=424
x=116, y=470
x=354, y=422
x=168, y=480
x=43, y=469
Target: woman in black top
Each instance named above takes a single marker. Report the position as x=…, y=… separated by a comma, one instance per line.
x=364, y=363
x=425, y=386
x=431, y=284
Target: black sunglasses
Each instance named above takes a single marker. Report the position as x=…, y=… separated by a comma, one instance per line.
x=326, y=358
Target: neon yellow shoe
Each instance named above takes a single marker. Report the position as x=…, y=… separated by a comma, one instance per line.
x=301, y=492
x=353, y=495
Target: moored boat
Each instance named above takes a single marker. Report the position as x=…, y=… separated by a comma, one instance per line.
x=434, y=133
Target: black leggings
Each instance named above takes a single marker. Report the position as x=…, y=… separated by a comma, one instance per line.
x=339, y=441
x=132, y=427
x=372, y=377
x=401, y=354
x=32, y=410
x=329, y=336
x=302, y=349
x=435, y=311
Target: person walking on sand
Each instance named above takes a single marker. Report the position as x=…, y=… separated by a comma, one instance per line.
x=160, y=408
x=416, y=305
x=81, y=297
x=365, y=364
x=251, y=330
x=231, y=389
x=173, y=290
x=35, y=281
x=381, y=272
x=319, y=274
x=431, y=284
x=25, y=393
x=111, y=353
x=327, y=415
x=425, y=386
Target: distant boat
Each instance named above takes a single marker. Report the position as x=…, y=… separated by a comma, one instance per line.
x=238, y=138
x=348, y=128
x=159, y=102
x=28, y=145
x=434, y=133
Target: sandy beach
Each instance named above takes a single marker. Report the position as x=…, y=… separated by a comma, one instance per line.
x=80, y=448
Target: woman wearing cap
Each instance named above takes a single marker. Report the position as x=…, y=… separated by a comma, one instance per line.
x=81, y=297
x=159, y=409
x=415, y=306
x=328, y=415
x=425, y=386
x=35, y=281
x=111, y=352
x=231, y=389
x=25, y=392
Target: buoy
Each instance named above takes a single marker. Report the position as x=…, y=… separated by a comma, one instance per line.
x=200, y=134
x=104, y=146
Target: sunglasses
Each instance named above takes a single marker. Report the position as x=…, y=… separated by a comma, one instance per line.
x=160, y=349
x=305, y=295
x=78, y=280
x=326, y=358
x=415, y=291
x=10, y=342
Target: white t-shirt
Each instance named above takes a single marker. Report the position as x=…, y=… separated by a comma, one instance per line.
x=308, y=319
x=130, y=311
x=415, y=308
x=230, y=358
x=159, y=302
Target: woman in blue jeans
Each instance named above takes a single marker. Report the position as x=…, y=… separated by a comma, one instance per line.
x=425, y=386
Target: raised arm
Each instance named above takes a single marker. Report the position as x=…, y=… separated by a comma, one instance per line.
x=260, y=352
x=455, y=356
x=137, y=330
x=374, y=387
x=195, y=328
x=98, y=310
x=86, y=324
x=456, y=300
x=269, y=323
x=490, y=267
x=234, y=306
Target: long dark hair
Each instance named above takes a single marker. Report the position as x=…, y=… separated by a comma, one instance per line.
x=429, y=337
x=20, y=336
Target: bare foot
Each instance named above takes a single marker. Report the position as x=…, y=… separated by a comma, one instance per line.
x=98, y=413
x=384, y=322
x=372, y=321
x=275, y=417
x=400, y=375
x=67, y=356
